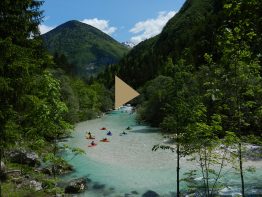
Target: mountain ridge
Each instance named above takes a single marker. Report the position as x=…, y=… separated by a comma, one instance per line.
x=85, y=46
x=189, y=34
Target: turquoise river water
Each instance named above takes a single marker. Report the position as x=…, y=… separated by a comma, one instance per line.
x=127, y=166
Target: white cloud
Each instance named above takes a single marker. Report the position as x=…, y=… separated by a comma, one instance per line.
x=44, y=28
x=151, y=27
x=103, y=25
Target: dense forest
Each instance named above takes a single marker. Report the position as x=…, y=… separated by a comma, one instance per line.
x=200, y=81
x=216, y=61
x=41, y=99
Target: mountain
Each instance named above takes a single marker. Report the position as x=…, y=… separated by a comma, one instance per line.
x=128, y=44
x=188, y=35
x=86, y=47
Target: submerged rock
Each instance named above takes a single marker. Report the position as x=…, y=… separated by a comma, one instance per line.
x=150, y=193
x=99, y=186
x=76, y=186
x=134, y=192
x=24, y=157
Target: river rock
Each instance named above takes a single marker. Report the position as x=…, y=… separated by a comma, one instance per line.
x=253, y=153
x=47, y=171
x=76, y=186
x=17, y=180
x=37, y=186
x=2, y=167
x=150, y=193
x=63, y=169
x=22, y=182
x=24, y=157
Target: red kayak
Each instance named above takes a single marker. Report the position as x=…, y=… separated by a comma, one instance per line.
x=103, y=128
x=92, y=145
x=104, y=141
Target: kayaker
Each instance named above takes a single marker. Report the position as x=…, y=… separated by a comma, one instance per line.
x=92, y=143
x=89, y=135
x=109, y=133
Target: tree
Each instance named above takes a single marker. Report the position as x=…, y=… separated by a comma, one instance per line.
x=31, y=109
x=18, y=22
x=155, y=95
x=232, y=83
x=241, y=76
x=209, y=151
x=179, y=108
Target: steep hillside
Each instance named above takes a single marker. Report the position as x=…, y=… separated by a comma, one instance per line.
x=88, y=48
x=189, y=34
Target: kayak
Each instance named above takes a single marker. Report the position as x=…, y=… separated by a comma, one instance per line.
x=90, y=138
x=104, y=141
x=92, y=145
x=103, y=128
x=109, y=134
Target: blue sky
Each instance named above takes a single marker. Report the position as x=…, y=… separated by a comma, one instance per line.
x=124, y=20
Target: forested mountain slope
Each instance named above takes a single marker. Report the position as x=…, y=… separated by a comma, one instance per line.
x=190, y=33
x=86, y=47
x=210, y=55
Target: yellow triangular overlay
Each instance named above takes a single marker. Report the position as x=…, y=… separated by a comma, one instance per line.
x=123, y=93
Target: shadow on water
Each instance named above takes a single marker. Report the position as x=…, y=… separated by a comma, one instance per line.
x=101, y=189
x=146, y=130
x=98, y=186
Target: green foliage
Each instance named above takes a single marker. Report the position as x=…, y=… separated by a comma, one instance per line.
x=155, y=93
x=92, y=99
x=188, y=35
x=32, y=112
x=9, y=189
x=21, y=21
x=85, y=99
x=44, y=110
x=210, y=95
x=88, y=49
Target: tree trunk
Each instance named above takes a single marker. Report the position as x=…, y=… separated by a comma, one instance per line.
x=0, y=169
x=178, y=169
x=241, y=170
x=54, y=167
x=207, y=174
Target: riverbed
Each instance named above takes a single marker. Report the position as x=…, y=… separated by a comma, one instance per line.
x=127, y=166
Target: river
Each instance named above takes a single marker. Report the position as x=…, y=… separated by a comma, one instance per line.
x=127, y=166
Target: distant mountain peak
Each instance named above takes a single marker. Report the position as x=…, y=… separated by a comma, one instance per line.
x=128, y=44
